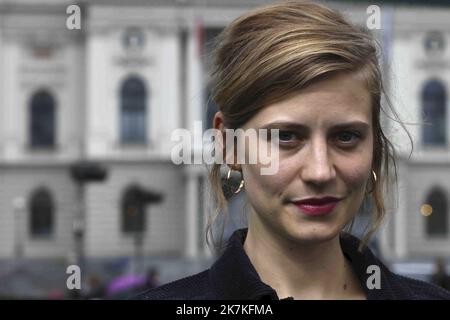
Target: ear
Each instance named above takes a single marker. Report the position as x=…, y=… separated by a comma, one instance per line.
x=218, y=123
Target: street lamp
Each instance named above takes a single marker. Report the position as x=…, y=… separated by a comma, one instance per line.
x=83, y=172
x=18, y=204
x=141, y=199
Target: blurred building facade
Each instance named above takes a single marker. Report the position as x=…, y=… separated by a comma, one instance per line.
x=417, y=72
x=114, y=92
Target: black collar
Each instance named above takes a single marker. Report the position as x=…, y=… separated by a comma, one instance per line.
x=234, y=277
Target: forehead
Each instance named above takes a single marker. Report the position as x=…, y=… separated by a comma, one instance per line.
x=342, y=97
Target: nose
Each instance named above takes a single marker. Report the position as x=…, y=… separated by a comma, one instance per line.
x=318, y=167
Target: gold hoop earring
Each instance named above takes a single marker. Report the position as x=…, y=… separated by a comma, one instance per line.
x=374, y=175
x=241, y=185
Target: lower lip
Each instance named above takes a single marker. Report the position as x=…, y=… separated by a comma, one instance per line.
x=317, y=210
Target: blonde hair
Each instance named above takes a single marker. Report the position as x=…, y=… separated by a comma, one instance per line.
x=276, y=51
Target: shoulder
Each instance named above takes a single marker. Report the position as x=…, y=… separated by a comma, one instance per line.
x=418, y=290
x=195, y=287
x=392, y=285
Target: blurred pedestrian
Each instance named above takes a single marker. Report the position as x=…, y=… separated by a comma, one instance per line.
x=96, y=289
x=152, y=280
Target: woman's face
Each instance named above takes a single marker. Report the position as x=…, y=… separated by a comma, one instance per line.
x=325, y=149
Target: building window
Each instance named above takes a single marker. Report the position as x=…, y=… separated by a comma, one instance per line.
x=41, y=213
x=133, y=99
x=42, y=120
x=434, y=100
x=133, y=211
x=437, y=220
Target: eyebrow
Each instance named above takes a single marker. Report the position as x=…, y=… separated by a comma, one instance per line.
x=301, y=127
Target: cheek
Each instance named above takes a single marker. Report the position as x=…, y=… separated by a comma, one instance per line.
x=355, y=171
x=272, y=186
x=265, y=185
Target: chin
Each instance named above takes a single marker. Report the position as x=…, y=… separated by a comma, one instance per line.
x=311, y=230
x=313, y=233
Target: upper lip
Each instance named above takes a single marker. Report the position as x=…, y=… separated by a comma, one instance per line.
x=317, y=201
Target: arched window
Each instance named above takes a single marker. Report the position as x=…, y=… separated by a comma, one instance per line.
x=133, y=211
x=42, y=120
x=41, y=213
x=434, y=100
x=437, y=220
x=133, y=100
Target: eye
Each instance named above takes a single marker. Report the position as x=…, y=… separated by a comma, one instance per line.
x=286, y=136
x=347, y=137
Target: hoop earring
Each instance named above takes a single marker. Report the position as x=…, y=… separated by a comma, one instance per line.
x=241, y=185
x=374, y=175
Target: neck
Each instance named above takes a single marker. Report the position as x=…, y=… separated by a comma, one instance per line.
x=302, y=271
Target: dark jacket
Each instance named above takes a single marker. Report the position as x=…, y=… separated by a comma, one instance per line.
x=233, y=277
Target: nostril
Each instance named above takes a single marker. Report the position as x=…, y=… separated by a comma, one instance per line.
x=317, y=174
